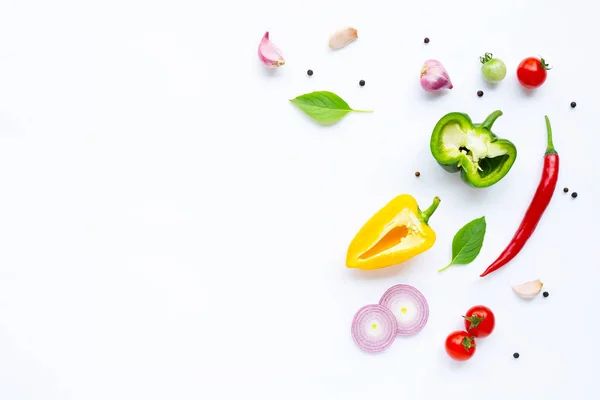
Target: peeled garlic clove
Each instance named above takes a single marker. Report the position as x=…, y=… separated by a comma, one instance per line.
x=434, y=76
x=528, y=290
x=342, y=37
x=269, y=54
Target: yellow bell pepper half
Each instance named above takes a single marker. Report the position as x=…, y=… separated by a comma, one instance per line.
x=396, y=233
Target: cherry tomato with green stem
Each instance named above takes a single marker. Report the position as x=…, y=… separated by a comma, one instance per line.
x=493, y=69
x=532, y=72
x=460, y=346
x=479, y=321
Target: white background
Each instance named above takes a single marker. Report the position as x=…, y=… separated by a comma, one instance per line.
x=171, y=227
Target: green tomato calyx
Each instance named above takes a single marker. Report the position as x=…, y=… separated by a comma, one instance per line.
x=475, y=320
x=486, y=57
x=545, y=65
x=467, y=343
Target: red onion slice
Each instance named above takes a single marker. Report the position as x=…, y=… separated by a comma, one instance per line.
x=408, y=306
x=374, y=328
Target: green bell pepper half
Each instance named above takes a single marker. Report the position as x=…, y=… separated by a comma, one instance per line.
x=460, y=145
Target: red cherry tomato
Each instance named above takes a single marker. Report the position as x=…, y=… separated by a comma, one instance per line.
x=532, y=72
x=480, y=321
x=460, y=345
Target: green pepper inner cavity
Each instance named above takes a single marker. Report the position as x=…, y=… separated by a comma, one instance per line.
x=488, y=165
x=473, y=146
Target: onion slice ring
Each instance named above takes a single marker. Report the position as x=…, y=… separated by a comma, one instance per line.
x=408, y=306
x=374, y=328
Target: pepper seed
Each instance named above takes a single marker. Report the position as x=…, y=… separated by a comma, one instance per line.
x=574, y=195
x=361, y=82
x=573, y=104
x=426, y=40
x=309, y=72
x=545, y=294
x=516, y=355
x=566, y=190
x=480, y=93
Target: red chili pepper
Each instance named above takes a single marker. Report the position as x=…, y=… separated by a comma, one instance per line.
x=537, y=207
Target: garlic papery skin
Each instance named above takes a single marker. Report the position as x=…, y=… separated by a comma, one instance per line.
x=342, y=37
x=528, y=290
x=434, y=76
x=269, y=54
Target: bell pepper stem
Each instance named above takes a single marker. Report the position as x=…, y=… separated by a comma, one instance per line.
x=425, y=215
x=489, y=121
x=550, y=147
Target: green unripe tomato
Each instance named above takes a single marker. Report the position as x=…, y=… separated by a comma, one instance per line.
x=493, y=69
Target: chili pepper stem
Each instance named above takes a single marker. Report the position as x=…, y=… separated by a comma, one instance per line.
x=550, y=147
x=425, y=215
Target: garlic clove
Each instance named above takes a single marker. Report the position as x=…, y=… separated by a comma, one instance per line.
x=342, y=37
x=528, y=290
x=269, y=54
x=434, y=76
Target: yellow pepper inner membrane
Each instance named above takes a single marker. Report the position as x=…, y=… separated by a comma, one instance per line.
x=402, y=233
x=391, y=239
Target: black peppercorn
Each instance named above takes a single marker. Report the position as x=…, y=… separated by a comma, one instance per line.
x=574, y=195
x=417, y=174
x=361, y=82
x=480, y=93
x=309, y=72
x=426, y=40
x=573, y=104
x=545, y=294
x=566, y=190
x=516, y=355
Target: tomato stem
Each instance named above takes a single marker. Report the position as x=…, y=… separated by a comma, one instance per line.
x=545, y=65
x=486, y=57
x=467, y=343
x=475, y=320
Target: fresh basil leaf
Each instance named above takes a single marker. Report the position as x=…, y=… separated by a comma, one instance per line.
x=467, y=242
x=325, y=107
